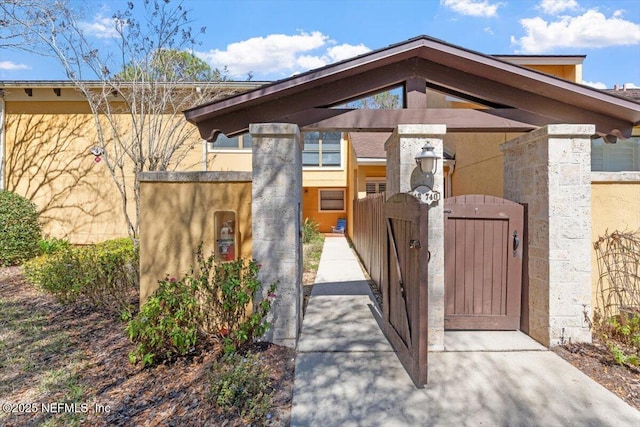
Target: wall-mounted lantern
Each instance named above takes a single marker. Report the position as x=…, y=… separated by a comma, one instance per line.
x=427, y=160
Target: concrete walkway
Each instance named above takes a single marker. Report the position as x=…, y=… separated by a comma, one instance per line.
x=348, y=375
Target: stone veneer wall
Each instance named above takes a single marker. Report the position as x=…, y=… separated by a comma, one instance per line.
x=402, y=176
x=276, y=213
x=550, y=170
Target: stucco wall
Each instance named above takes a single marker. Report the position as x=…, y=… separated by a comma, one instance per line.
x=48, y=161
x=615, y=206
x=369, y=171
x=177, y=214
x=229, y=160
x=479, y=162
x=325, y=220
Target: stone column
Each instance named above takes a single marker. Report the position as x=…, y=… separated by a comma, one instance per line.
x=275, y=209
x=550, y=170
x=403, y=175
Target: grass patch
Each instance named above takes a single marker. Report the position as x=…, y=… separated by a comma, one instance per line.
x=38, y=363
x=312, y=243
x=311, y=254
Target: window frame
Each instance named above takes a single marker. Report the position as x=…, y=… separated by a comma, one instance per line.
x=607, y=156
x=375, y=181
x=212, y=148
x=319, y=165
x=344, y=200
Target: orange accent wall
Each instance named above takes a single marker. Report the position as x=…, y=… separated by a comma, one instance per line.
x=310, y=209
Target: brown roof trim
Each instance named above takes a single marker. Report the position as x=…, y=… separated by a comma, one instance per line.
x=97, y=83
x=446, y=67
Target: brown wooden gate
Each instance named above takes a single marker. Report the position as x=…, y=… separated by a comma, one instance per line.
x=483, y=262
x=404, y=302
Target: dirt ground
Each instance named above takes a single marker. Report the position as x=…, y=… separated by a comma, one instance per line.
x=595, y=361
x=52, y=355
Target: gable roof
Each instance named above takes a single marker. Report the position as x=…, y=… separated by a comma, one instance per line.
x=369, y=145
x=518, y=99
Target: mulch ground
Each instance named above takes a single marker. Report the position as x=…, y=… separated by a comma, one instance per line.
x=595, y=361
x=170, y=394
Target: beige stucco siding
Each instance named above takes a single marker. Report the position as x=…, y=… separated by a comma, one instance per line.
x=178, y=216
x=369, y=171
x=478, y=162
x=48, y=160
x=615, y=206
x=229, y=160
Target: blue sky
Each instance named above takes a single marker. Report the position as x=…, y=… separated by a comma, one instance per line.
x=274, y=39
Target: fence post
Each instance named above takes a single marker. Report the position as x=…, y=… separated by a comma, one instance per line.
x=403, y=176
x=276, y=213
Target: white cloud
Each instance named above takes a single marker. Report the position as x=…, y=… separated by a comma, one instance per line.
x=589, y=30
x=12, y=66
x=101, y=28
x=473, y=7
x=631, y=86
x=553, y=7
x=346, y=51
x=488, y=30
x=279, y=54
x=596, y=85
x=309, y=62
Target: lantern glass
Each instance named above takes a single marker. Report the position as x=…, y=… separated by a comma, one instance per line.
x=427, y=160
x=427, y=165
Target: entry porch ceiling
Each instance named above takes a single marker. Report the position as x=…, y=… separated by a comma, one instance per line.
x=517, y=99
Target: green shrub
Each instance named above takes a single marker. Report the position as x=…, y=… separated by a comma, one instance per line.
x=621, y=335
x=212, y=301
x=310, y=231
x=115, y=277
x=168, y=324
x=103, y=275
x=240, y=386
x=51, y=245
x=227, y=291
x=19, y=229
x=62, y=273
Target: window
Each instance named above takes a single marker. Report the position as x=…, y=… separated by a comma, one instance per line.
x=322, y=149
x=376, y=185
x=331, y=200
x=222, y=142
x=624, y=155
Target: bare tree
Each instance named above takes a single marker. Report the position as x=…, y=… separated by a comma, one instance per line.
x=136, y=92
x=387, y=100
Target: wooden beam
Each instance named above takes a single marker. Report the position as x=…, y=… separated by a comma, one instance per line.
x=415, y=93
x=520, y=98
x=456, y=119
